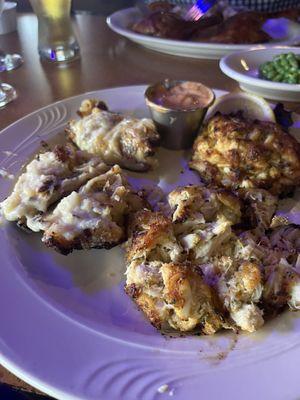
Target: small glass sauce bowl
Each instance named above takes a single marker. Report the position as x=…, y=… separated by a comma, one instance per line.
x=178, y=108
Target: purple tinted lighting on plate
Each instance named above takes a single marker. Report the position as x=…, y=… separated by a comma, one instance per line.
x=73, y=333
x=277, y=28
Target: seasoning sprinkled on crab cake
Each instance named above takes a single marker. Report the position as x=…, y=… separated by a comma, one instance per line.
x=197, y=269
x=202, y=219
x=235, y=152
x=169, y=291
x=278, y=253
x=258, y=207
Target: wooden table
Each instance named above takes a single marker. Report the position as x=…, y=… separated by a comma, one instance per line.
x=106, y=60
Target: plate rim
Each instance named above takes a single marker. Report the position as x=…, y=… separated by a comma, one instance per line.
x=28, y=377
x=57, y=102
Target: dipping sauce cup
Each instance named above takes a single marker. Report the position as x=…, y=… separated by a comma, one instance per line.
x=178, y=109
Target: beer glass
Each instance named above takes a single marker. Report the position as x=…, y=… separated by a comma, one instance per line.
x=8, y=61
x=7, y=92
x=57, y=41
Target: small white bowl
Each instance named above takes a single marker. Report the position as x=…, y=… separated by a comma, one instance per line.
x=243, y=67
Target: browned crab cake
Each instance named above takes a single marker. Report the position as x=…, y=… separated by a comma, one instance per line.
x=173, y=295
x=235, y=152
x=169, y=291
x=151, y=237
x=277, y=251
x=239, y=285
x=259, y=207
x=203, y=218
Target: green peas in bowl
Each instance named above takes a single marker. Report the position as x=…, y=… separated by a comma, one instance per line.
x=284, y=68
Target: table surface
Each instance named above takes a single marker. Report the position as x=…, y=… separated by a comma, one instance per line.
x=107, y=60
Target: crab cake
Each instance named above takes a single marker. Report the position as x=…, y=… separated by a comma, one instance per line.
x=235, y=152
x=258, y=208
x=169, y=291
x=203, y=218
x=239, y=285
x=278, y=253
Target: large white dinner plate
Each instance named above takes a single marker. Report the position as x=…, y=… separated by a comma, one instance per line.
x=67, y=327
x=244, y=66
x=283, y=31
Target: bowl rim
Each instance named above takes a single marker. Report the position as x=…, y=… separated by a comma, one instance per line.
x=244, y=78
x=162, y=108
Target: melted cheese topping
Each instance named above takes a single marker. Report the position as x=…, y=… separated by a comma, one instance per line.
x=78, y=212
x=92, y=133
x=45, y=180
x=94, y=215
x=116, y=139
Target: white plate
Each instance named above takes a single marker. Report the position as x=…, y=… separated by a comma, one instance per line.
x=282, y=30
x=243, y=67
x=68, y=328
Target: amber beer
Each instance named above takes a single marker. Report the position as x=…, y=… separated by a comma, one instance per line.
x=57, y=41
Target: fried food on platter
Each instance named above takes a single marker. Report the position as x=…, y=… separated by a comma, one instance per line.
x=151, y=237
x=258, y=208
x=169, y=25
x=93, y=217
x=169, y=292
x=234, y=152
x=173, y=295
x=206, y=203
x=239, y=286
x=195, y=270
x=127, y=141
x=247, y=27
x=46, y=179
x=202, y=219
x=258, y=276
x=241, y=28
x=278, y=252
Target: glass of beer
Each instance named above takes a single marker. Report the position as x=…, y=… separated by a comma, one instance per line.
x=57, y=41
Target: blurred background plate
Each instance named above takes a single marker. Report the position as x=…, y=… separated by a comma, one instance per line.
x=284, y=32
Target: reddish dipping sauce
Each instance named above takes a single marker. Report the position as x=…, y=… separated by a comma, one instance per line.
x=184, y=96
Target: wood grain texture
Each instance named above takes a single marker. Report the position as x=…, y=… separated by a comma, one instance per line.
x=107, y=60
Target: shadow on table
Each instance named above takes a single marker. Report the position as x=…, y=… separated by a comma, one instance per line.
x=8, y=392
